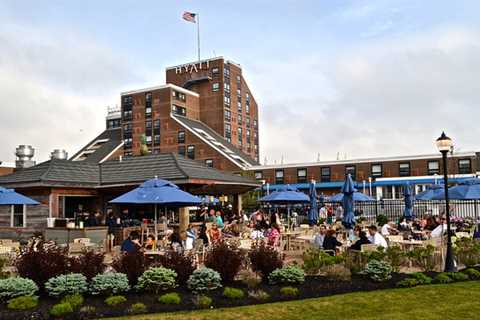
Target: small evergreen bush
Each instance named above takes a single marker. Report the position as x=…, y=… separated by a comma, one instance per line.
x=202, y=301
x=115, y=300
x=422, y=278
x=109, y=284
x=442, y=278
x=17, y=287
x=61, y=309
x=88, y=309
x=378, y=270
x=289, y=292
x=316, y=259
x=66, y=284
x=170, y=298
x=408, y=283
x=204, y=279
x=75, y=300
x=138, y=308
x=259, y=295
x=233, y=293
x=458, y=276
x=473, y=274
x=287, y=275
x=23, y=303
x=157, y=279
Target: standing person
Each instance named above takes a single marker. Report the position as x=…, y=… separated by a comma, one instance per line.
x=322, y=213
x=339, y=213
x=132, y=243
x=376, y=238
x=329, y=215
x=330, y=242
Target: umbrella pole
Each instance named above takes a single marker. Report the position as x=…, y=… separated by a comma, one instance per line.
x=156, y=228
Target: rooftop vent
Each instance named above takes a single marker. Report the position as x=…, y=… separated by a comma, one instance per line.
x=59, y=154
x=24, y=154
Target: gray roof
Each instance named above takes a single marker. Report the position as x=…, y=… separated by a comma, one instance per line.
x=131, y=170
x=114, y=137
x=192, y=125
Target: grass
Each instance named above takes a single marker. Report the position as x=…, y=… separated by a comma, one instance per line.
x=451, y=301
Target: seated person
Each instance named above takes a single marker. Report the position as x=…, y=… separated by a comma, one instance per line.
x=219, y=220
x=440, y=230
x=191, y=237
x=330, y=241
x=363, y=239
x=388, y=229
x=176, y=242
x=150, y=243
x=376, y=238
x=319, y=237
x=132, y=243
x=257, y=233
x=214, y=234
x=274, y=235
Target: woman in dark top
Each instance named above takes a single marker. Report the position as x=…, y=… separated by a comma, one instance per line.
x=363, y=240
x=330, y=242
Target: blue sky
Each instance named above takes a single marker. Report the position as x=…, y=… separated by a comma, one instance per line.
x=355, y=78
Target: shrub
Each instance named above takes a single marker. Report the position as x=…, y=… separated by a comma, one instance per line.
x=315, y=259
x=423, y=257
x=170, y=298
x=378, y=270
x=204, y=279
x=233, y=293
x=66, y=284
x=3, y=263
x=408, y=283
x=226, y=259
x=61, y=309
x=289, y=292
x=16, y=287
x=395, y=256
x=287, y=275
x=133, y=264
x=264, y=259
x=23, y=303
x=380, y=254
x=88, y=309
x=75, y=300
x=182, y=264
x=472, y=273
x=157, y=279
x=259, y=295
x=457, y=276
x=467, y=251
x=421, y=278
x=89, y=263
x=442, y=278
x=202, y=301
x=109, y=283
x=115, y=300
x=381, y=219
x=137, y=308
x=41, y=262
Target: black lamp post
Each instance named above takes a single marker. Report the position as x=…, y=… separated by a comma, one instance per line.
x=444, y=145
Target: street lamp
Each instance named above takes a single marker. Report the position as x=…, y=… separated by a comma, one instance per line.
x=444, y=145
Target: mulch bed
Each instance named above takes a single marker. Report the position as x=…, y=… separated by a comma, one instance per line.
x=314, y=286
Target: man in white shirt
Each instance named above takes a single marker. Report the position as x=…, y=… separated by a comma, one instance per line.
x=386, y=228
x=319, y=237
x=376, y=238
x=439, y=231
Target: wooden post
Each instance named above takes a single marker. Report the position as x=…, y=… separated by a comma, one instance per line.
x=184, y=221
x=237, y=204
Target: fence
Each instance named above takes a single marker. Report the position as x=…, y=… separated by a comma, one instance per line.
x=394, y=209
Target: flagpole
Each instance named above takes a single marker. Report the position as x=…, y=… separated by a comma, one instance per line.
x=198, y=35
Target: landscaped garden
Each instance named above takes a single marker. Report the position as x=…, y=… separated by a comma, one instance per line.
x=52, y=284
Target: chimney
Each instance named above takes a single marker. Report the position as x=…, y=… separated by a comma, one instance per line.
x=24, y=154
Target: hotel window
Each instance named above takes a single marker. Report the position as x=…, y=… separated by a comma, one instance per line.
x=255, y=123
x=301, y=175
x=228, y=130
x=226, y=100
x=181, y=111
x=127, y=100
x=325, y=174
x=209, y=163
x=181, y=136
x=240, y=120
x=127, y=142
x=240, y=136
x=228, y=115
x=127, y=127
x=258, y=175
x=404, y=169
x=248, y=135
x=215, y=86
x=239, y=92
x=226, y=87
x=278, y=176
x=178, y=95
x=464, y=166
x=247, y=121
x=148, y=124
x=148, y=99
x=376, y=170
x=127, y=115
x=156, y=124
x=226, y=72
x=433, y=167
x=148, y=139
x=18, y=216
x=239, y=98
x=247, y=108
x=214, y=70
x=181, y=150
x=191, y=152
x=350, y=170
x=156, y=139
x=239, y=79
x=239, y=106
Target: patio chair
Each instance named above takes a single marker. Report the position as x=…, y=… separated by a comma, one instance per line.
x=394, y=238
x=368, y=247
x=76, y=248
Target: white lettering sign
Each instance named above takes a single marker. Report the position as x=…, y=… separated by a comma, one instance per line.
x=192, y=67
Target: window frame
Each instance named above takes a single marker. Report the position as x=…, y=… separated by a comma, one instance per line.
x=376, y=174
x=277, y=179
x=191, y=154
x=460, y=170
x=432, y=172
x=303, y=179
x=179, y=134
x=209, y=163
x=323, y=176
x=400, y=169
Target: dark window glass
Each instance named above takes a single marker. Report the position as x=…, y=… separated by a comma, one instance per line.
x=209, y=163
x=404, y=169
x=278, y=176
x=181, y=150
x=433, y=167
x=179, y=110
x=181, y=136
x=376, y=170
x=464, y=166
x=302, y=175
x=191, y=152
x=325, y=174
x=258, y=175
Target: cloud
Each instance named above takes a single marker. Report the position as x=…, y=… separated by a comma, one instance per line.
x=55, y=89
x=383, y=98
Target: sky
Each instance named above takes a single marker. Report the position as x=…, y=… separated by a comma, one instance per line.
x=333, y=79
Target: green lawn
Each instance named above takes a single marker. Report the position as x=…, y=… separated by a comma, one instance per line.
x=453, y=301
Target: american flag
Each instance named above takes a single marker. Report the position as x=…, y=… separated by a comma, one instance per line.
x=189, y=16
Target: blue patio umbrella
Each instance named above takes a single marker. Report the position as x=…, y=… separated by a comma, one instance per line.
x=431, y=192
x=313, y=212
x=10, y=197
x=348, y=190
x=408, y=198
x=357, y=196
x=286, y=195
x=158, y=192
x=209, y=200
x=466, y=190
